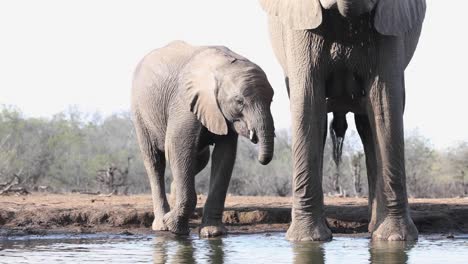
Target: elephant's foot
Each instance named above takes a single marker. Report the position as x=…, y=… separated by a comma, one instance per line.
x=396, y=229
x=212, y=230
x=158, y=224
x=176, y=224
x=309, y=230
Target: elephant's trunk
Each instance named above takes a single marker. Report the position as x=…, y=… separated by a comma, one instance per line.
x=266, y=139
x=338, y=128
x=354, y=8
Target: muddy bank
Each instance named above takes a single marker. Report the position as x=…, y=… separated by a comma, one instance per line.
x=50, y=213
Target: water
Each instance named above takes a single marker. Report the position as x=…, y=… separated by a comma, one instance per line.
x=253, y=248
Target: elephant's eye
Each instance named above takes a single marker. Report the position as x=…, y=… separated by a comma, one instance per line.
x=238, y=104
x=239, y=101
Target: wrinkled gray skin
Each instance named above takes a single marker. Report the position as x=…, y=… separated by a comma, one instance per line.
x=347, y=56
x=185, y=98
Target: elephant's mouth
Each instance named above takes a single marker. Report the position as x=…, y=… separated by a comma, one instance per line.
x=253, y=136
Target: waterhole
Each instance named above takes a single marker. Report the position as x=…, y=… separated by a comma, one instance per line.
x=247, y=248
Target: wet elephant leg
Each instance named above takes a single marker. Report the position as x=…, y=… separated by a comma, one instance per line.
x=155, y=164
x=181, y=154
x=155, y=170
x=308, y=219
x=386, y=115
x=308, y=110
x=203, y=158
x=365, y=132
x=223, y=158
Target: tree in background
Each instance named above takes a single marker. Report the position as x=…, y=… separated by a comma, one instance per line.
x=453, y=169
x=420, y=159
x=357, y=160
x=67, y=151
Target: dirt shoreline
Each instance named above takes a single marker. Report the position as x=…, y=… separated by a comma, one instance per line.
x=41, y=214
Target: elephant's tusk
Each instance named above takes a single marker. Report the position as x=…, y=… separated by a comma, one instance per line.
x=251, y=134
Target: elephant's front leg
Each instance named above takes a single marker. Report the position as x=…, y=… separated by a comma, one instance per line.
x=182, y=153
x=387, y=105
x=308, y=127
x=308, y=114
x=223, y=157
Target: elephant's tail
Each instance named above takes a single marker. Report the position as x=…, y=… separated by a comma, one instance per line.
x=338, y=127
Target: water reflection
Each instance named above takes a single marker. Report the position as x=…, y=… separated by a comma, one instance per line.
x=254, y=248
x=389, y=251
x=160, y=253
x=308, y=252
x=174, y=249
x=216, y=252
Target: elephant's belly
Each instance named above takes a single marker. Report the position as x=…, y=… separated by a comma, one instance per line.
x=345, y=91
x=346, y=104
x=353, y=59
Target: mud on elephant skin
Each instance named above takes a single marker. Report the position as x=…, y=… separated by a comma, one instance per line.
x=184, y=99
x=345, y=56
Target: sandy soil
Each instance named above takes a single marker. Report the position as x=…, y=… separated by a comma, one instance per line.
x=77, y=213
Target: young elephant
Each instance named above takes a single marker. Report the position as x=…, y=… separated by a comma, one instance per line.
x=185, y=98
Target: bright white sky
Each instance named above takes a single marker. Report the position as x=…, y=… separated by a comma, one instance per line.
x=54, y=54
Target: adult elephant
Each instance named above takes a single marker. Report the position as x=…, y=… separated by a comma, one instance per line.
x=347, y=56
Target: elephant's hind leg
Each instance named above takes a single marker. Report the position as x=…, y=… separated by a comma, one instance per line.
x=365, y=132
x=203, y=158
x=155, y=165
x=155, y=172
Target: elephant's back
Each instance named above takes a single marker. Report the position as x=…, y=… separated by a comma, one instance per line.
x=173, y=53
x=164, y=61
x=155, y=83
x=156, y=75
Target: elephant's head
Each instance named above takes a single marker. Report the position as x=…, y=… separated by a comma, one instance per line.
x=226, y=91
x=392, y=17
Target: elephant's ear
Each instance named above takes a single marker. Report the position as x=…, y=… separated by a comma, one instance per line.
x=297, y=14
x=201, y=90
x=397, y=17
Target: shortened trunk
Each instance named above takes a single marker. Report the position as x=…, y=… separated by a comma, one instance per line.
x=266, y=139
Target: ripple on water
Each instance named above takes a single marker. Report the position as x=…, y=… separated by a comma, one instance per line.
x=253, y=248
